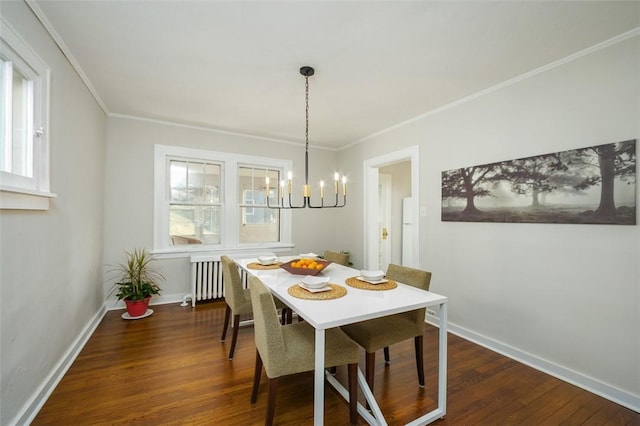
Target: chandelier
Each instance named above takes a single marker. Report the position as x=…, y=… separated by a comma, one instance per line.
x=306, y=189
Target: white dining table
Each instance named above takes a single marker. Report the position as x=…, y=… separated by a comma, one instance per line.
x=357, y=305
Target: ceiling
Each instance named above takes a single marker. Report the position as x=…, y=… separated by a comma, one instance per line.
x=233, y=65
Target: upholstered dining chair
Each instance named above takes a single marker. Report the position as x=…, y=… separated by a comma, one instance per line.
x=335, y=257
x=380, y=333
x=290, y=349
x=238, y=301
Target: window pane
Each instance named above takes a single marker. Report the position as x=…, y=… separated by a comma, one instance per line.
x=258, y=224
x=274, y=186
x=194, y=224
x=212, y=183
x=16, y=114
x=194, y=182
x=178, y=180
x=262, y=225
x=5, y=165
x=21, y=159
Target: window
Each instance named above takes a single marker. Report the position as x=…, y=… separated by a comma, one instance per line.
x=210, y=201
x=24, y=139
x=260, y=224
x=194, y=202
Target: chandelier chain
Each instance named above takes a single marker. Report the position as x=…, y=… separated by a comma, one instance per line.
x=306, y=99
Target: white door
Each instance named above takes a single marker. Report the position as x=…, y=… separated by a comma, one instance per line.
x=384, y=221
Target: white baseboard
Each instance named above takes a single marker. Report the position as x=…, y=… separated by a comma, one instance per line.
x=624, y=398
x=31, y=408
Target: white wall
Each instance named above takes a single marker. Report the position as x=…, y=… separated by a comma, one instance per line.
x=563, y=297
x=51, y=273
x=129, y=189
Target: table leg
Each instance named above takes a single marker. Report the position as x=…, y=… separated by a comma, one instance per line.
x=373, y=417
x=318, y=385
x=442, y=360
x=439, y=412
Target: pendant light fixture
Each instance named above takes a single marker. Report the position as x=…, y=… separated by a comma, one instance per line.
x=307, y=72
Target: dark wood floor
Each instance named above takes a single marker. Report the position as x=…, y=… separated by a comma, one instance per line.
x=172, y=369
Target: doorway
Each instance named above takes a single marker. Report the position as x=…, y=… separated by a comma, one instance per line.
x=372, y=199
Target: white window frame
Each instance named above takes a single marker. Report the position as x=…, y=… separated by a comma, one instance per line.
x=20, y=192
x=230, y=220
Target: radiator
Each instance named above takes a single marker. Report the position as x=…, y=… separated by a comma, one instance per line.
x=206, y=278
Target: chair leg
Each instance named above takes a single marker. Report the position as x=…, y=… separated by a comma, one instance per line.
x=256, y=378
x=287, y=315
x=236, y=326
x=271, y=402
x=227, y=314
x=386, y=354
x=419, y=344
x=369, y=370
x=353, y=393
x=370, y=367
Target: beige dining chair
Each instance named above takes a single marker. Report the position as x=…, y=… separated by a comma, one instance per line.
x=380, y=333
x=335, y=257
x=238, y=301
x=290, y=349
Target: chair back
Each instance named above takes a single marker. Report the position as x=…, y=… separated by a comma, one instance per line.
x=232, y=283
x=335, y=257
x=267, y=328
x=415, y=278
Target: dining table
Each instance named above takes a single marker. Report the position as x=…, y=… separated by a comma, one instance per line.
x=355, y=303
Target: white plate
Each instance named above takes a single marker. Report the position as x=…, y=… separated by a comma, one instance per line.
x=129, y=317
x=380, y=281
x=372, y=275
x=315, y=290
x=311, y=281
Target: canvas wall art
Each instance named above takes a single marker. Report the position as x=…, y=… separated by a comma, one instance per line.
x=594, y=185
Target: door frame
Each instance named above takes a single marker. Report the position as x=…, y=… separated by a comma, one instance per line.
x=384, y=210
x=370, y=200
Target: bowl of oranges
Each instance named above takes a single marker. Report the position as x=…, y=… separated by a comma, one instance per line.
x=305, y=266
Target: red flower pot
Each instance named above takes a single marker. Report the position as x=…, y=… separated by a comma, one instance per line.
x=137, y=308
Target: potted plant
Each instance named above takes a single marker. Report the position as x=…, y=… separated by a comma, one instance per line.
x=137, y=281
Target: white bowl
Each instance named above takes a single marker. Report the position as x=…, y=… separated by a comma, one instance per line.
x=308, y=255
x=372, y=275
x=267, y=260
x=311, y=281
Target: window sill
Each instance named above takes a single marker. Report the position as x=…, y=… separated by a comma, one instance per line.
x=24, y=199
x=194, y=250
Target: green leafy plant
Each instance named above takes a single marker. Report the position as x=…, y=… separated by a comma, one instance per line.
x=137, y=278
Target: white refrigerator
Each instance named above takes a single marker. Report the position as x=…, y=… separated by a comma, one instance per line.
x=407, y=232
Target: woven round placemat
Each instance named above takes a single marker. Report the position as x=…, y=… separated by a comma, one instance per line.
x=256, y=265
x=363, y=285
x=336, y=292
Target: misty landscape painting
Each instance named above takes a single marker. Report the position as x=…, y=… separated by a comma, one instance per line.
x=595, y=185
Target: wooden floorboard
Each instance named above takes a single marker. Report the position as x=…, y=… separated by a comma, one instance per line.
x=172, y=369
